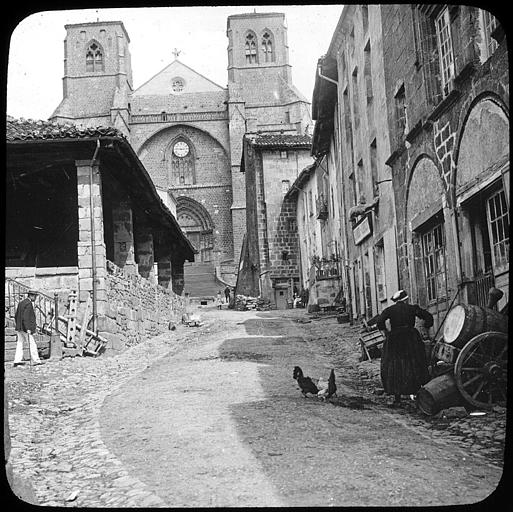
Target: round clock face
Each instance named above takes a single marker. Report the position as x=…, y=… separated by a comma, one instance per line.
x=181, y=149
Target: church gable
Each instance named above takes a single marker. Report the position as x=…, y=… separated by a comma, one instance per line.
x=177, y=79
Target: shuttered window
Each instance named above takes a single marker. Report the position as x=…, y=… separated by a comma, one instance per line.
x=434, y=263
x=445, y=52
x=498, y=227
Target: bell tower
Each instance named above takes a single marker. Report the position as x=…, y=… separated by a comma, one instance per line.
x=97, y=81
x=258, y=52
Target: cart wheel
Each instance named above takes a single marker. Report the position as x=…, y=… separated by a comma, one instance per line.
x=481, y=370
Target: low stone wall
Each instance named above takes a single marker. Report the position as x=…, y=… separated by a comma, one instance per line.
x=136, y=309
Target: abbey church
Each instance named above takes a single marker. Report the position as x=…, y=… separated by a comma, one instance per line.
x=187, y=130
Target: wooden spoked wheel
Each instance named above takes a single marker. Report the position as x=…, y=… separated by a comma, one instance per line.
x=481, y=370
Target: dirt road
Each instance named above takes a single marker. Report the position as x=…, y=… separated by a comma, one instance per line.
x=221, y=422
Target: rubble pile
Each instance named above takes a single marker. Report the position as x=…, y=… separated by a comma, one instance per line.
x=246, y=303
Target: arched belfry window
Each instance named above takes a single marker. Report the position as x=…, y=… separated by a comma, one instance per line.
x=251, y=49
x=94, y=58
x=182, y=169
x=267, y=47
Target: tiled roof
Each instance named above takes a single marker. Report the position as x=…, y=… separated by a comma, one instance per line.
x=30, y=129
x=282, y=140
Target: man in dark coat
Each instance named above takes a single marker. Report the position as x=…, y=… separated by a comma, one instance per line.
x=404, y=368
x=25, y=318
x=227, y=294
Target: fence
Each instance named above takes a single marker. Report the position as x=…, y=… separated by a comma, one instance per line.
x=45, y=307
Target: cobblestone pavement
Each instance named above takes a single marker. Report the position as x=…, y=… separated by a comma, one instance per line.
x=54, y=425
x=478, y=435
x=54, y=415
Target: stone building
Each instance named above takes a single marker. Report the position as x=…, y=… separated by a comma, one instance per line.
x=186, y=129
x=270, y=261
x=447, y=85
x=83, y=215
x=411, y=106
x=351, y=144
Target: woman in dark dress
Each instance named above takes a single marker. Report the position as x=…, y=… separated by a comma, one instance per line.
x=404, y=368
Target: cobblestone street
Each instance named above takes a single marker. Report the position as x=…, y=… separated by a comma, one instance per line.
x=62, y=440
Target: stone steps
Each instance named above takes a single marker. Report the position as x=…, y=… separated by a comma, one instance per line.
x=42, y=342
x=200, y=280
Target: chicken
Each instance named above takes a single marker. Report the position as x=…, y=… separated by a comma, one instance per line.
x=305, y=383
x=327, y=389
x=323, y=389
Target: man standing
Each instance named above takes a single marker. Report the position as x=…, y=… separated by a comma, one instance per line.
x=227, y=294
x=26, y=327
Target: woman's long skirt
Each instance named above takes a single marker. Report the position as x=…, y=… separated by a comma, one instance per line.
x=404, y=366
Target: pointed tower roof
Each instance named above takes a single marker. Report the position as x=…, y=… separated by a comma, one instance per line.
x=177, y=78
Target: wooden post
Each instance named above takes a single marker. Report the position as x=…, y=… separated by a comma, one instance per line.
x=72, y=318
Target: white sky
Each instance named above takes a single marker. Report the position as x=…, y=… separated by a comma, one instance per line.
x=36, y=52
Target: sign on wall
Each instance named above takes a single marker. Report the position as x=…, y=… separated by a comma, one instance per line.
x=362, y=229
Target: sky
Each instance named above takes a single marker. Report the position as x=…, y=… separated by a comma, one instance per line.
x=36, y=50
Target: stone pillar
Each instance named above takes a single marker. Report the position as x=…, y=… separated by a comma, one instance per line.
x=165, y=272
x=144, y=250
x=177, y=277
x=92, y=259
x=124, y=252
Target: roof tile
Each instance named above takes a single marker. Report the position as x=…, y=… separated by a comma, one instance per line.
x=33, y=129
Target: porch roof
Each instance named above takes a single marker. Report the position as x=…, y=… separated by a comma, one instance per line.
x=33, y=145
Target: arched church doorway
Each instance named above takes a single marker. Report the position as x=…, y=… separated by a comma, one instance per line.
x=196, y=223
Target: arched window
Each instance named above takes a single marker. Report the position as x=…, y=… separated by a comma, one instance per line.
x=267, y=47
x=251, y=49
x=182, y=171
x=94, y=58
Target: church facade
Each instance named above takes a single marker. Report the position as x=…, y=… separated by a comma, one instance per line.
x=187, y=130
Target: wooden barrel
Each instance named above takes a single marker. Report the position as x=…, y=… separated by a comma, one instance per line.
x=465, y=321
x=439, y=393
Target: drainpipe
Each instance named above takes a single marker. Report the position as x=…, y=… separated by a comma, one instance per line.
x=325, y=77
x=93, y=239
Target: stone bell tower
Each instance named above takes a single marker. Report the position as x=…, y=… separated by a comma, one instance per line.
x=97, y=81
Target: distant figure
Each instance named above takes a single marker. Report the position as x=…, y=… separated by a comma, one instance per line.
x=227, y=294
x=25, y=317
x=219, y=300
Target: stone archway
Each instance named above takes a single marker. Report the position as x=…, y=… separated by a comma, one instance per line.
x=197, y=224
x=426, y=232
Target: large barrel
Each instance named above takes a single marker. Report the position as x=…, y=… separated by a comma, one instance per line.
x=439, y=393
x=465, y=321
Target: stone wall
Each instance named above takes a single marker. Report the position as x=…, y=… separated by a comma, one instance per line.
x=137, y=309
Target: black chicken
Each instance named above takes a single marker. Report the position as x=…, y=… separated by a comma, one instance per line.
x=305, y=383
x=320, y=387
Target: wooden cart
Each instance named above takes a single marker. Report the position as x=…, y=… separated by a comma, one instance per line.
x=475, y=347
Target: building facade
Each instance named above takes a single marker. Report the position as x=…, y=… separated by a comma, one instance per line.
x=270, y=262
x=447, y=81
x=351, y=145
x=411, y=106
x=186, y=129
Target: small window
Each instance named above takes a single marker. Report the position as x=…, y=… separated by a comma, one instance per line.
x=267, y=47
x=379, y=271
x=285, y=185
x=488, y=25
x=498, y=221
x=94, y=58
x=400, y=111
x=445, y=52
x=251, y=49
x=433, y=258
x=283, y=154
x=178, y=84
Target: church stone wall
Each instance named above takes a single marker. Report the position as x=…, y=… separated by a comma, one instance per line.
x=213, y=187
